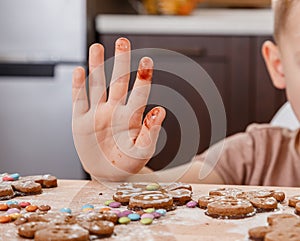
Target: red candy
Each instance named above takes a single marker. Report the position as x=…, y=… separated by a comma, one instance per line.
x=7, y=178
x=24, y=204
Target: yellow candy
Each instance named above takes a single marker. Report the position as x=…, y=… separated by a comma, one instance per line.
x=14, y=216
x=87, y=209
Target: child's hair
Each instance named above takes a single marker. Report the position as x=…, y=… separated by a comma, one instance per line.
x=282, y=10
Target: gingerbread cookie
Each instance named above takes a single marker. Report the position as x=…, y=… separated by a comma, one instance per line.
x=46, y=181
x=62, y=233
x=205, y=200
x=181, y=196
x=233, y=209
x=180, y=192
x=225, y=192
x=279, y=218
x=151, y=199
x=26, y=188
x=297, y=208
x=281, y=227
x=293, y=200
x=100, y=228
x=6, y=191
x=264, y=204
x=27, y=230
x=289, y=234
x=258, y=233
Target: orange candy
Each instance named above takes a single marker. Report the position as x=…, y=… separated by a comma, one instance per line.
x=31, y=208
x=5, y=219
x=3, y=207
x=103, y=210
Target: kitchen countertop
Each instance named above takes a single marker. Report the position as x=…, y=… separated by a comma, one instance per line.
x=181, y=224
x=202, y=21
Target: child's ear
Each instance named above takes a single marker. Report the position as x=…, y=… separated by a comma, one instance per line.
x=272, y=58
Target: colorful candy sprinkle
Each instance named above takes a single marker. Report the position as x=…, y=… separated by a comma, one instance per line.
x=31, y=208
x=124, y=213
x=134, y=216
x=5, y=219
x=11, y=177
x=156, y=215
x=86, y=210
x=192, y=204
x=87, y=206
x=152, y=187
x=11, y=202
x=115, y=204
x=147, y=215
x=108, y=202
x=15, y=216
x=65, y=210
x=106, y=209
x=3, y=207
x=24, y=204
x=161, y=211
x=149, y=210
x=12, y=210
x=124, y=220
x=146, y=221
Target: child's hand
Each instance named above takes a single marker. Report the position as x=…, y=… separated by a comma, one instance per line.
x=110, y=136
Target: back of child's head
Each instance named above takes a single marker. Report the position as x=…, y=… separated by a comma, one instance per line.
x=282, y=10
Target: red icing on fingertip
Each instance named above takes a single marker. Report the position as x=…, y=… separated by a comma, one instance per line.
x=145, y=74
x=151, y=117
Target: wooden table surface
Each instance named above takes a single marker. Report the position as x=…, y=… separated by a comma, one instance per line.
x=182, y=224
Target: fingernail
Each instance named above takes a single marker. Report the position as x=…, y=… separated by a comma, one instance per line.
x=145, y=69
x=152, y=118
x=95, y=49
x=122, y=44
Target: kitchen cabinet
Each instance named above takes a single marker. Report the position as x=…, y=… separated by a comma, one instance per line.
x=235, y=65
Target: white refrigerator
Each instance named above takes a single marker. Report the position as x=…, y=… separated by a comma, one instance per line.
x=41, y=42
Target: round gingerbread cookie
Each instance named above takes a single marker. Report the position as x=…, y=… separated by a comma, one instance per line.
x=127, y=190
x=177, y=185
x=49, y=181
x=293, y=200
x=27, y=187
x=62, y=233
x=99, y=228
x=278, y=195
x=6, y=191
x=203, y=201
x=233, y=192
x=264, y=204
x=230, y=209
x=27, y=230
x=181, y=196
x=258, y=233
x=288, y=234
x=95, y=216
x=151, y=199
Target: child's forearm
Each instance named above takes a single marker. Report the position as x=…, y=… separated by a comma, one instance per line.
x=188, y=173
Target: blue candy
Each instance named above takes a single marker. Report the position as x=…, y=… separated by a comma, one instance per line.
x=87, y=206
x=161, y=211
x=66, y=210
x=134, y=216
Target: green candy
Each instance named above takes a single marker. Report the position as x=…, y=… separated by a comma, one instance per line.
x=124, y=220
x=108, y=202
x=152, y=187
x=146, y=221
x=149, y=210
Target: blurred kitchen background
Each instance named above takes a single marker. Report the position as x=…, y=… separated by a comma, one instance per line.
x=41, y=41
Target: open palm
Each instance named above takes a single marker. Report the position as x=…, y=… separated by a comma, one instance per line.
x=111, y=137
